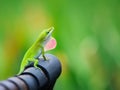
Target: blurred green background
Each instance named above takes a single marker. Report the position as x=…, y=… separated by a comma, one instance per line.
x=87, y=33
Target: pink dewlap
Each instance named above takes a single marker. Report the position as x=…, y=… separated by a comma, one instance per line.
x=51, y=44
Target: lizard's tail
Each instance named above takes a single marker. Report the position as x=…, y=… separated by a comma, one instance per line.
x=21, y=70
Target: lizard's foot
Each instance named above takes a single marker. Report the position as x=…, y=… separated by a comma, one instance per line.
x=35, y=61
x=35, y=64
x=45, y=58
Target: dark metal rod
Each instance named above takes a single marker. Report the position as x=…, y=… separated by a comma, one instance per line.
x=33, y=78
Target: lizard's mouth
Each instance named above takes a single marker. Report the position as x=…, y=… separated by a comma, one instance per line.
x=47, y=38
x=50, y=32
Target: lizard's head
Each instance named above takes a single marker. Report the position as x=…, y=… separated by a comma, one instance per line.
x=46, y=34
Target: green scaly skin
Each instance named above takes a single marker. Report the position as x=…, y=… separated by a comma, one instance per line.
x=36, y=49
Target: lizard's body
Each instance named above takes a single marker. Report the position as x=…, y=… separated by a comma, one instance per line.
x=36, y=49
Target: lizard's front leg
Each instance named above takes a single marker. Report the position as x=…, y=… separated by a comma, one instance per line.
x=43, y=53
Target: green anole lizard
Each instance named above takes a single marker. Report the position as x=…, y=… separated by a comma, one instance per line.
x=43, y=43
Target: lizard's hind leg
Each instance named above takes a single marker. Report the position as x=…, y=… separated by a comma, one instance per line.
x=35, y=64
x=35, y=61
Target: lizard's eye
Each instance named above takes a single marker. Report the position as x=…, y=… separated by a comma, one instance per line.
x=47, y=32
